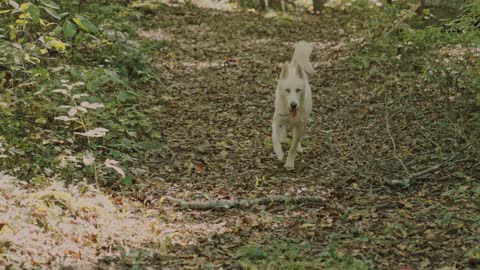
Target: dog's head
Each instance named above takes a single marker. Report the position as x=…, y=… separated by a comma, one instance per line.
x=292, y=86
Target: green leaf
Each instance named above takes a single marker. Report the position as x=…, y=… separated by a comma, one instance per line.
x=446, y=219
x=57, y=31
x=123, y=96
x=52, y=12
x=41, y=120
x=50, y=4
x=127, y=181
x=69, y=28
x=40, y=72
x=34, y=12
x=474, y=253
x=85, y=24
x=63, y=14
x=93, y=85
x=113, y=76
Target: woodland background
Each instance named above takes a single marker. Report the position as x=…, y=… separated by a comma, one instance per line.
x=130, y=130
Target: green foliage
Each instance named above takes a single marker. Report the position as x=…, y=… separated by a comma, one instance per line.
x=276, y=256
x=47, y=45
x=131, y=257
x=407, y=43
x=294, y=255
x=336, y=260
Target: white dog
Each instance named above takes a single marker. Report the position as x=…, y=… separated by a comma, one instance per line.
x=293, y=103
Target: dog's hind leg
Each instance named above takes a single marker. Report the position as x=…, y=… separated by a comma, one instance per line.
x=292, y=153
x=277, y=147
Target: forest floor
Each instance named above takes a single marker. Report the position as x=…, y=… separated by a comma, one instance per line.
x=214, y=109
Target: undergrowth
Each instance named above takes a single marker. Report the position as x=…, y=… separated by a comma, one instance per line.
x=88, y=53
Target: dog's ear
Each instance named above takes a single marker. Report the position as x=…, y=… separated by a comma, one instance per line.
x=284, y=73
x=299, y=70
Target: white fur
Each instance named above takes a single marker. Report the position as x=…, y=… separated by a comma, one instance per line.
x=293, y=87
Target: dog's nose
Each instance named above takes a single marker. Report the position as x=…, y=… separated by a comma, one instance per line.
x=293, y=105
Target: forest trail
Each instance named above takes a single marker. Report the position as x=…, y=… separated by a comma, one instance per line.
x=214, y=107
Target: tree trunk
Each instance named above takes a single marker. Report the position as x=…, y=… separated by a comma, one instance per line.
x=263, y=5
x=275, y=4
x=318, y=6
x=420, y=9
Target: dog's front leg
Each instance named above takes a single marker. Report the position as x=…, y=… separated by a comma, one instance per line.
x=292, y=153
x=277, y=147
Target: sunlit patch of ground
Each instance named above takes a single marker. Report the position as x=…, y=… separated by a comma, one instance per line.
x=56, y=226
x=220, y=5
x=157, y=34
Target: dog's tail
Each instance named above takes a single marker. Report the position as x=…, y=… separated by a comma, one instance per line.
x=301, y=56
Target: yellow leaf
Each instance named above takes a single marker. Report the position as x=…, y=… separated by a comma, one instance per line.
x=41, y=120
x=308, y=226
x=24, y=6
x=21, y=22
x=57, y=44
x=162, y=199
x=43, y=51
x=5, y=229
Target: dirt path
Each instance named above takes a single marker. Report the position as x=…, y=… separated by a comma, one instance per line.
x=214, y=110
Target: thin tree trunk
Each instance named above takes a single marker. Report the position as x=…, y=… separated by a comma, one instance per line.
x=318, y=6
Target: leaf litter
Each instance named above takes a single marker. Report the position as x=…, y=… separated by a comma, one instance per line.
x=56, y=226
x=215, y=112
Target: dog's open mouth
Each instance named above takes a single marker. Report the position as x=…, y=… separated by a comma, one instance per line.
x=293, y=112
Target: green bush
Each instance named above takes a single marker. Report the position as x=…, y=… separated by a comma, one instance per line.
x=53, y=59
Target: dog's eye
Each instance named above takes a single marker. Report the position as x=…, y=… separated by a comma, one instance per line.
x=288, y=90
x=298, y=90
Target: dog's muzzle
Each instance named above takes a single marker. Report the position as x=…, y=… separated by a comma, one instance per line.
x=293, y=109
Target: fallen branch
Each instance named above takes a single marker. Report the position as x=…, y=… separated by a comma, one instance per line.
x=407, y=180
x=243, y=203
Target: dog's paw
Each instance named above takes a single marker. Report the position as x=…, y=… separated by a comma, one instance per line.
x=299, y=149
x=279, y=155
x=289, y=166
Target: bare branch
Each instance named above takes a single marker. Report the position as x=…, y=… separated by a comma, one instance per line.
x=392, y=140
x=243, y=203
x=407, y=180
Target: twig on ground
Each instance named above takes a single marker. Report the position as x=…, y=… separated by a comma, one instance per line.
x=392, y=140
x=407, y=180
x=243, y=203
x=332, y=67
